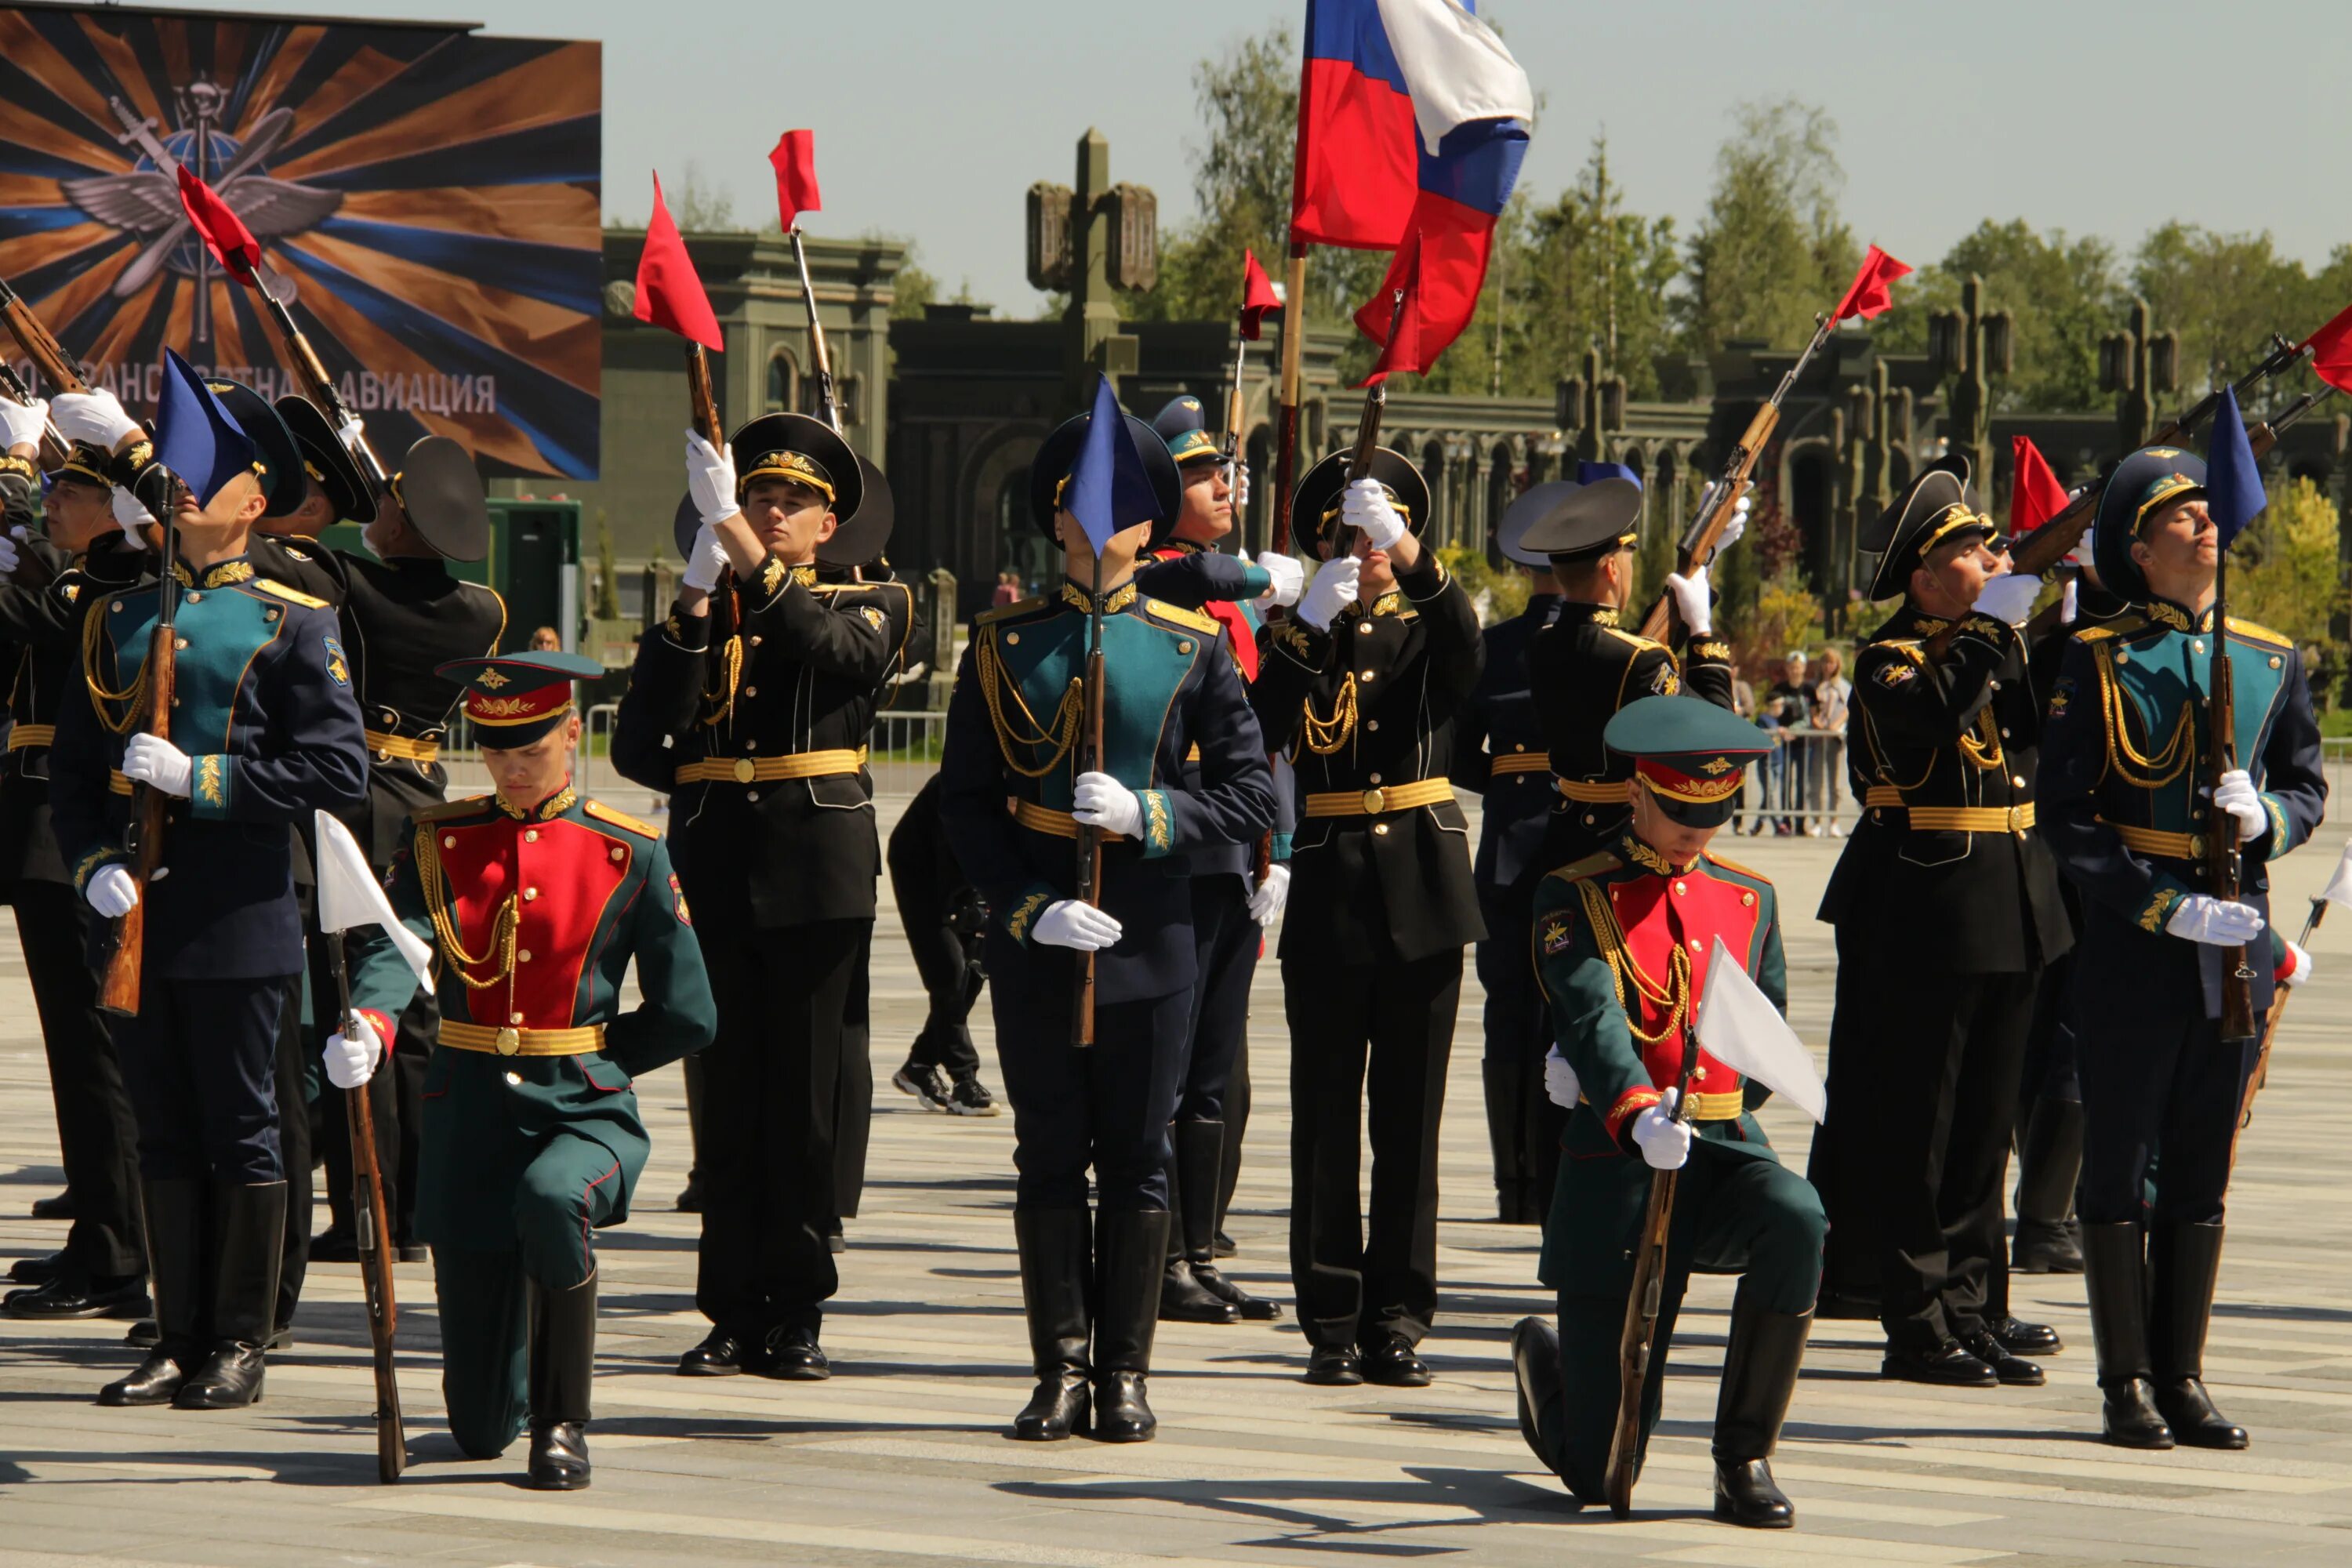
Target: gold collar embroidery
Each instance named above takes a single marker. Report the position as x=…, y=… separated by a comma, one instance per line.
x=1649, y=859
x=1389, y=604
x=220, y=576
x=547, y=810
x=1078, y=598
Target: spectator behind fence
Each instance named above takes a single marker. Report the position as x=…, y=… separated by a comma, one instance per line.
x=1789, y=703
x=1008, y=591
x=544, y=640
x=1833, y=693
x=1743, y=702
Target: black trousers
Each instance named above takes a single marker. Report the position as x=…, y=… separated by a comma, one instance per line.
x=1384, y=1030
x=1104, y=1106
x=1850, y=1261
x=853, y=1097
x=1226, y=943
x=1928, y=1104
x=772, y=1083
x=948, y=963
x=201, y=1061
x=2154, y=1076
x=1523, y=1126
x=97, y=1137
x=291, y=1076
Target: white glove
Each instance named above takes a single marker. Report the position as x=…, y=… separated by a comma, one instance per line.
x=1100, y=800
x=130, y=517
x=1266, y=898
x=1289, y=577
x=9, y=554
x=350, y=431
x=2237, y=796
x=2081, y=555
x=2070, y=607
x=150, y=759
x=1077, y=924
x=1692, y=601
x=2299, y=960
x=1333, y=590
x=2008, y=598
x=2216, y=923
x=707, y=562
x=111, y=891
x=710, y=479
x=1736, y=529
x=95, y=417
x=1240, y=484
x=22, y=424
x=351, y=1058
x=1559, y=1081
x=1663, y=1141
x=1366, y=506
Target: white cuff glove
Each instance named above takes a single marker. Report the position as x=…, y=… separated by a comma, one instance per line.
x=1075, y=924
x=2216, y=922
x=111, y=891
x=710, y=479
x=2238, y=797
x=9, y=555
x=1241, y=484
x=1366, y=506
x=1736, y=529
x=2299, y=966
x=707, y=562
x=350, y=431
x=2069, y=605
x=2008, y=598
x=130, y=517
x=95, y=417
x=23, y=424
x=1266, y=898
x=1333, y=590
x=1665, y=1142
x=351, y=1058
x=1289, y=578
x=149, y=760
x=1692, y=600
x=1559, y=1081
x=1098, y=800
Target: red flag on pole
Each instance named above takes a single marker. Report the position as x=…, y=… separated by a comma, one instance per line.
x=1259, y=298
x=1402, y=353
x=796, y=163
x=669, y=293
x=2035, y=495
x=2331, y=347
x=1868, y=296
x=222, y=232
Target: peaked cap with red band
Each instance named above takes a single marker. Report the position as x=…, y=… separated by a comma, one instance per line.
x=1689, y=754
x=514, y=699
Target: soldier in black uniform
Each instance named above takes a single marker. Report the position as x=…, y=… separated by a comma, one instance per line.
x=1948, y=909
x=1586, y=665
x=1013, y=798
x=1499, y=754
x=102, y=1271
x=944, y=920
x=751, y=705
x=1358, y=688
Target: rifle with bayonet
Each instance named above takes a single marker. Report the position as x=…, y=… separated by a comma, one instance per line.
x=119, y=984
x=1637, y=1341
x=2224, y=866
x=371, y=1227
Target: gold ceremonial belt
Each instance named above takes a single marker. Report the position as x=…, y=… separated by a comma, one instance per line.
x=522, y=1042
x=388, y=746
x=1374, y=801
x=1046, y=819
x=2156, y=841
x=2014, y=819
x=1521, y=763
x=793, y=765
x=25, y=736
x=116, y=783
x=1605, y=792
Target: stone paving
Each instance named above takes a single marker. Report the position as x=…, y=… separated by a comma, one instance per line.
x=901, y=1456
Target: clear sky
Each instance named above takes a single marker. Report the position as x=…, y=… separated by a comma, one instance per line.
x=933, y=117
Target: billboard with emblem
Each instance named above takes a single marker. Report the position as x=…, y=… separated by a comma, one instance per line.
x=430, y=194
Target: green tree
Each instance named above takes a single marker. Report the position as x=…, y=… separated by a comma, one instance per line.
x=2065, y=294
x=2285, y=573
x=2226, y=294
x=1581, y=271
x=1771, y=251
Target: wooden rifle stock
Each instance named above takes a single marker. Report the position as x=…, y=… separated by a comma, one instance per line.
x=828, y=404
x=1090, y=854
x=118, y=988
x=2224, y=865
x=2255, y=1080
x=703, y=404
x=55, y=449
x=1637, y=1340
x=49, y=356
x=1698, y=546
x=373, y=1227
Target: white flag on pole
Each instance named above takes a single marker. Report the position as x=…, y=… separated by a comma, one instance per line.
x=2339, y=886
x=1738, y=1026
x=349, y=897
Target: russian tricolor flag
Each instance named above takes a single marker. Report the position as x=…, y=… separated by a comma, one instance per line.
x=1411, y=117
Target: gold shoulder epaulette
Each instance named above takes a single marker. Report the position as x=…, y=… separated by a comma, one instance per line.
x=1715, y=859
x=292, y=595
x=449, y=808
x=2260, y=633
x=1006, y=612
x=2123, y=626
x=1207, y=624
x=1594, y=865
x=603, y=812
x=1636, y=638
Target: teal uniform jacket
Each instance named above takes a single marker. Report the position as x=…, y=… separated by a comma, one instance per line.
x=2123, y=762
x=590, y=889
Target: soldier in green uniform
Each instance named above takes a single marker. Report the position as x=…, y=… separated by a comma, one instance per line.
x=1620, y=941
x=2124, y=809
x=535, y=900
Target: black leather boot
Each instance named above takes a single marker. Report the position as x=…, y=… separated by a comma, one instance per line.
x=2115, y=1278
x=562, y=1372
x=1502, y=1080
x=1759, y=1376
x=1534, y=1367
x=1183, y=1299
x=248, y=1227
x=2048, y=1162
x=177, y=1215
x=2184, y=1264
x=1129, y=1245
x=1200, y=1156
x=1056, y=1267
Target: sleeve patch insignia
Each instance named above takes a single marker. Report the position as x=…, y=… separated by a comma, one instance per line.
x=1667, y=683
x=2061, y=695
x=339, y=668
x=1558, y=937
x=677, y=900
x=1892, y=674
x=874, y=617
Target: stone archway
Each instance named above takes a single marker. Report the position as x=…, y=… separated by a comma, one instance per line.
x=992, y=530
